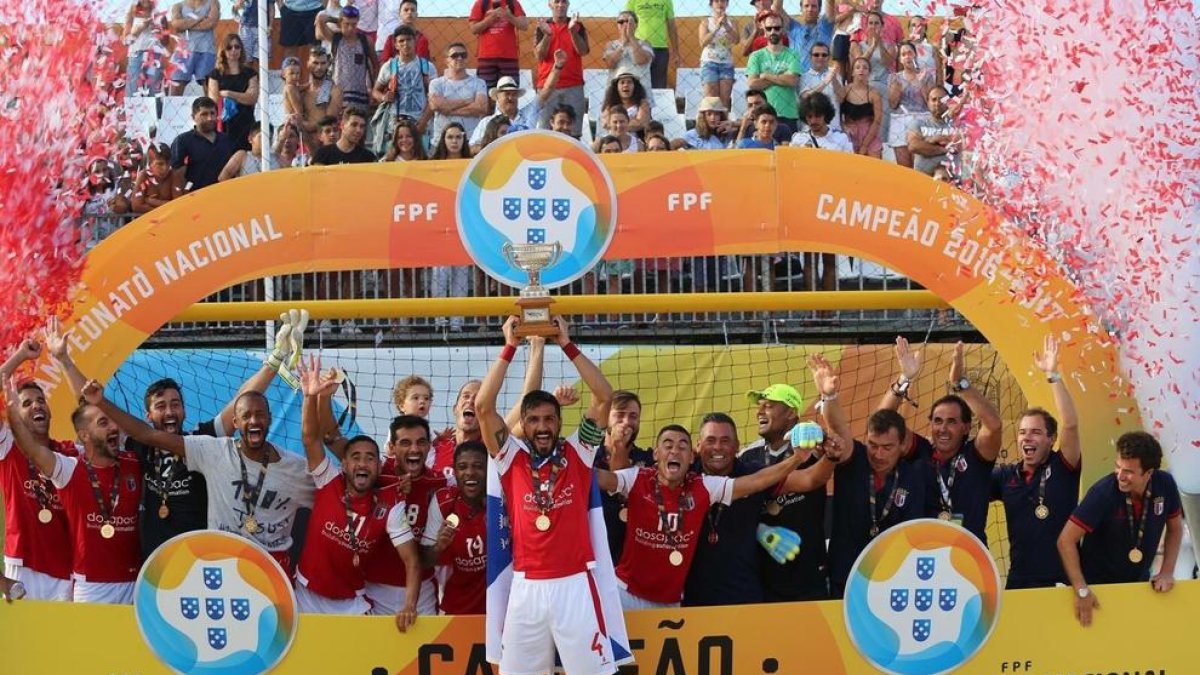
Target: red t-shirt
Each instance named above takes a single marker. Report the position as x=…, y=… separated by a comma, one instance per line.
x=499, y=41
x=645, y=566
x=327, y=562
x=463, y=565
x=565, y=548
x=384, y=566
x=97, y=559
x=41, y=547
x=389, y=48
x=572, y=72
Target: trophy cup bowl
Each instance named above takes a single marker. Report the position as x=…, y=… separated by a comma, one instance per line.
x=535, y=299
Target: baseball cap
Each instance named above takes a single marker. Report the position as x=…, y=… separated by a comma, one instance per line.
x=781, y=393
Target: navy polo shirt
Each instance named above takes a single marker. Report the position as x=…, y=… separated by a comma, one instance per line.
x=203, y=158
x=1033, y=543
x=804, y=577
x=186, y=491
x=611, y=504
x=851, y=508
x=727, y=572
x=971, y=492
x=1108, y=539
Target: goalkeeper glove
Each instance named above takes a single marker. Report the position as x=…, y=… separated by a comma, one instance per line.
x=783, y=544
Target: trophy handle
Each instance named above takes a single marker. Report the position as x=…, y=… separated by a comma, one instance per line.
x=558, y=252
x=507, y=252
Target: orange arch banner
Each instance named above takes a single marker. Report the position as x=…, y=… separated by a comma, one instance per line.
x=673, y=204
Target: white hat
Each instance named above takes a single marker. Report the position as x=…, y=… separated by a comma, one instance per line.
x=506, y=83
x=712, y=103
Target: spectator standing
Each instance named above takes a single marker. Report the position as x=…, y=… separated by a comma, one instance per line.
x=348, y=149
x=297, y=25
x=813, y=26
x=193, y=21
x=403, y=86
x=862, y=110
x=234, y=82
x=718, y=38
x=656, y=25
x=754, y=37
x=200, y=154
x=406, y=15
x=775, y=71
x=456, y=96
x=823, y=77
x=246, y=12
x=352, y=57
x=628, y=53
x=143, y=70
x=877, y=50
x=908, y=90
x=929, y=57
x=570, y=36
x=496, y=22
x=322, y=98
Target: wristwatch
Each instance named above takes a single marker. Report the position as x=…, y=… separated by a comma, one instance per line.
x=962, y=385
x=1083, y=592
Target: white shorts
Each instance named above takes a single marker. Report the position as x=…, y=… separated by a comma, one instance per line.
x=39, y=586
x=897, y=136
x=387, y=600
x=548, y=614
x=629, y=601
x=311, y=603
x=104, y=593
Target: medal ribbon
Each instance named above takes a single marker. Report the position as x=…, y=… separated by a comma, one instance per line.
x=1041, y=498
x=944, y=486
x=543, y=491
x=1141, y=527
x=162, y=470
x=887, y=507
x=355, y=542
x=107, y=506
x=250, y=498
x=673, y=537
x=40, y=489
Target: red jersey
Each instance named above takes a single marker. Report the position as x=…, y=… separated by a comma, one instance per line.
x=645, y=566
x=442, y=457
x=384, y=566
x=499, y=40
x=463, y=565
x=376, y=521
x=572, y=72
x=565, y=548
x=97, y=559
x=28, y=542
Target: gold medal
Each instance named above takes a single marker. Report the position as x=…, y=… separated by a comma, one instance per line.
x=164, y=511
x=251, y=525
x=108, y=531
x=676, y=558
x=944, y=515
x=45, y=516
x=1135, y=555
x=624, y=514
x=542, y=523
x=452, y=520
x=774, y=508
x=1042, y=512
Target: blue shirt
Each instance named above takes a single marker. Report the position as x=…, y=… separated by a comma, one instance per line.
x=1103, y=516
x=726, y=572
x=967, y=478
x=755, y=144
x=802, y=37
x=1033, y=542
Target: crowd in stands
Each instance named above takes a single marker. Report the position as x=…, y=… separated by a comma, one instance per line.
x=360, y=83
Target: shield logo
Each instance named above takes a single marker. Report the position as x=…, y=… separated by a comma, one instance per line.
x=239, y=608
x=900, y=498
x=189, y=607
x=130, y=484
x=960, y=464
x=512, y=208
x=537, y=178
x=687, y=502
x=535, y=235
x=212, y=578
x=1158, y=506
x=537, y=208
x=1048, y=467
x=899, y=600
x=947, y=599
x=380, y=512
x=214, y=608
x=217, y=638
x=923, y=599
x=925, y=566
x=560, y=209
x=921, y=629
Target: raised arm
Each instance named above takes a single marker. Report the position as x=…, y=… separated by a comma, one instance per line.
x=777, y=7
x=595, y=380
x=28, y=350
x=1068, y=422
x=827, y=387
x=315, y=385
x=987, y=441
x=41, y=456
x=832, y=452
x=831, y=11
x=495, y=432
x=765, y=478
x=533, y=381
x=910, y=367
x=549, y=86
x=93, y=393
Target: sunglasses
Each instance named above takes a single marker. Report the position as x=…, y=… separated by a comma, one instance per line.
x=622, y=22
x=232, y=47
x=458, y=55
x=772, y=29
x=818, y=55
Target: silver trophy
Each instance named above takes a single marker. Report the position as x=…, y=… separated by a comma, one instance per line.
x=535, y=299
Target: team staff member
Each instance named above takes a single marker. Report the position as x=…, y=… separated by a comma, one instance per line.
x=873, y=490
x=546, y=482
x=961, y=467
x=37, y=541
x=1040, y=492
x=175, y=499
x=667, y=506
x=455, y=536
x=99, y=493
x=1121, y=520
x=620, y=451
x=351, y=518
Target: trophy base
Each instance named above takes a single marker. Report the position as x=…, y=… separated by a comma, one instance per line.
x=536, y=317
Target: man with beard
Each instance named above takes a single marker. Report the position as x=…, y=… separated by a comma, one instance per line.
x=1040, y=492
x=961, y=467
x=546, y=481
x=667, y=507
x=351, y=519
x=813, y=26
x=37, y=540
x=775, y=71
x=322, y=98
x=349, y=146
x=99, y=493
x=175, y=499
x=254, y=489
x=199, y=154
x=620, y=451
x=454, y=539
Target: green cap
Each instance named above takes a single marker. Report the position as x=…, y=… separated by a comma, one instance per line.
x=782, y=393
